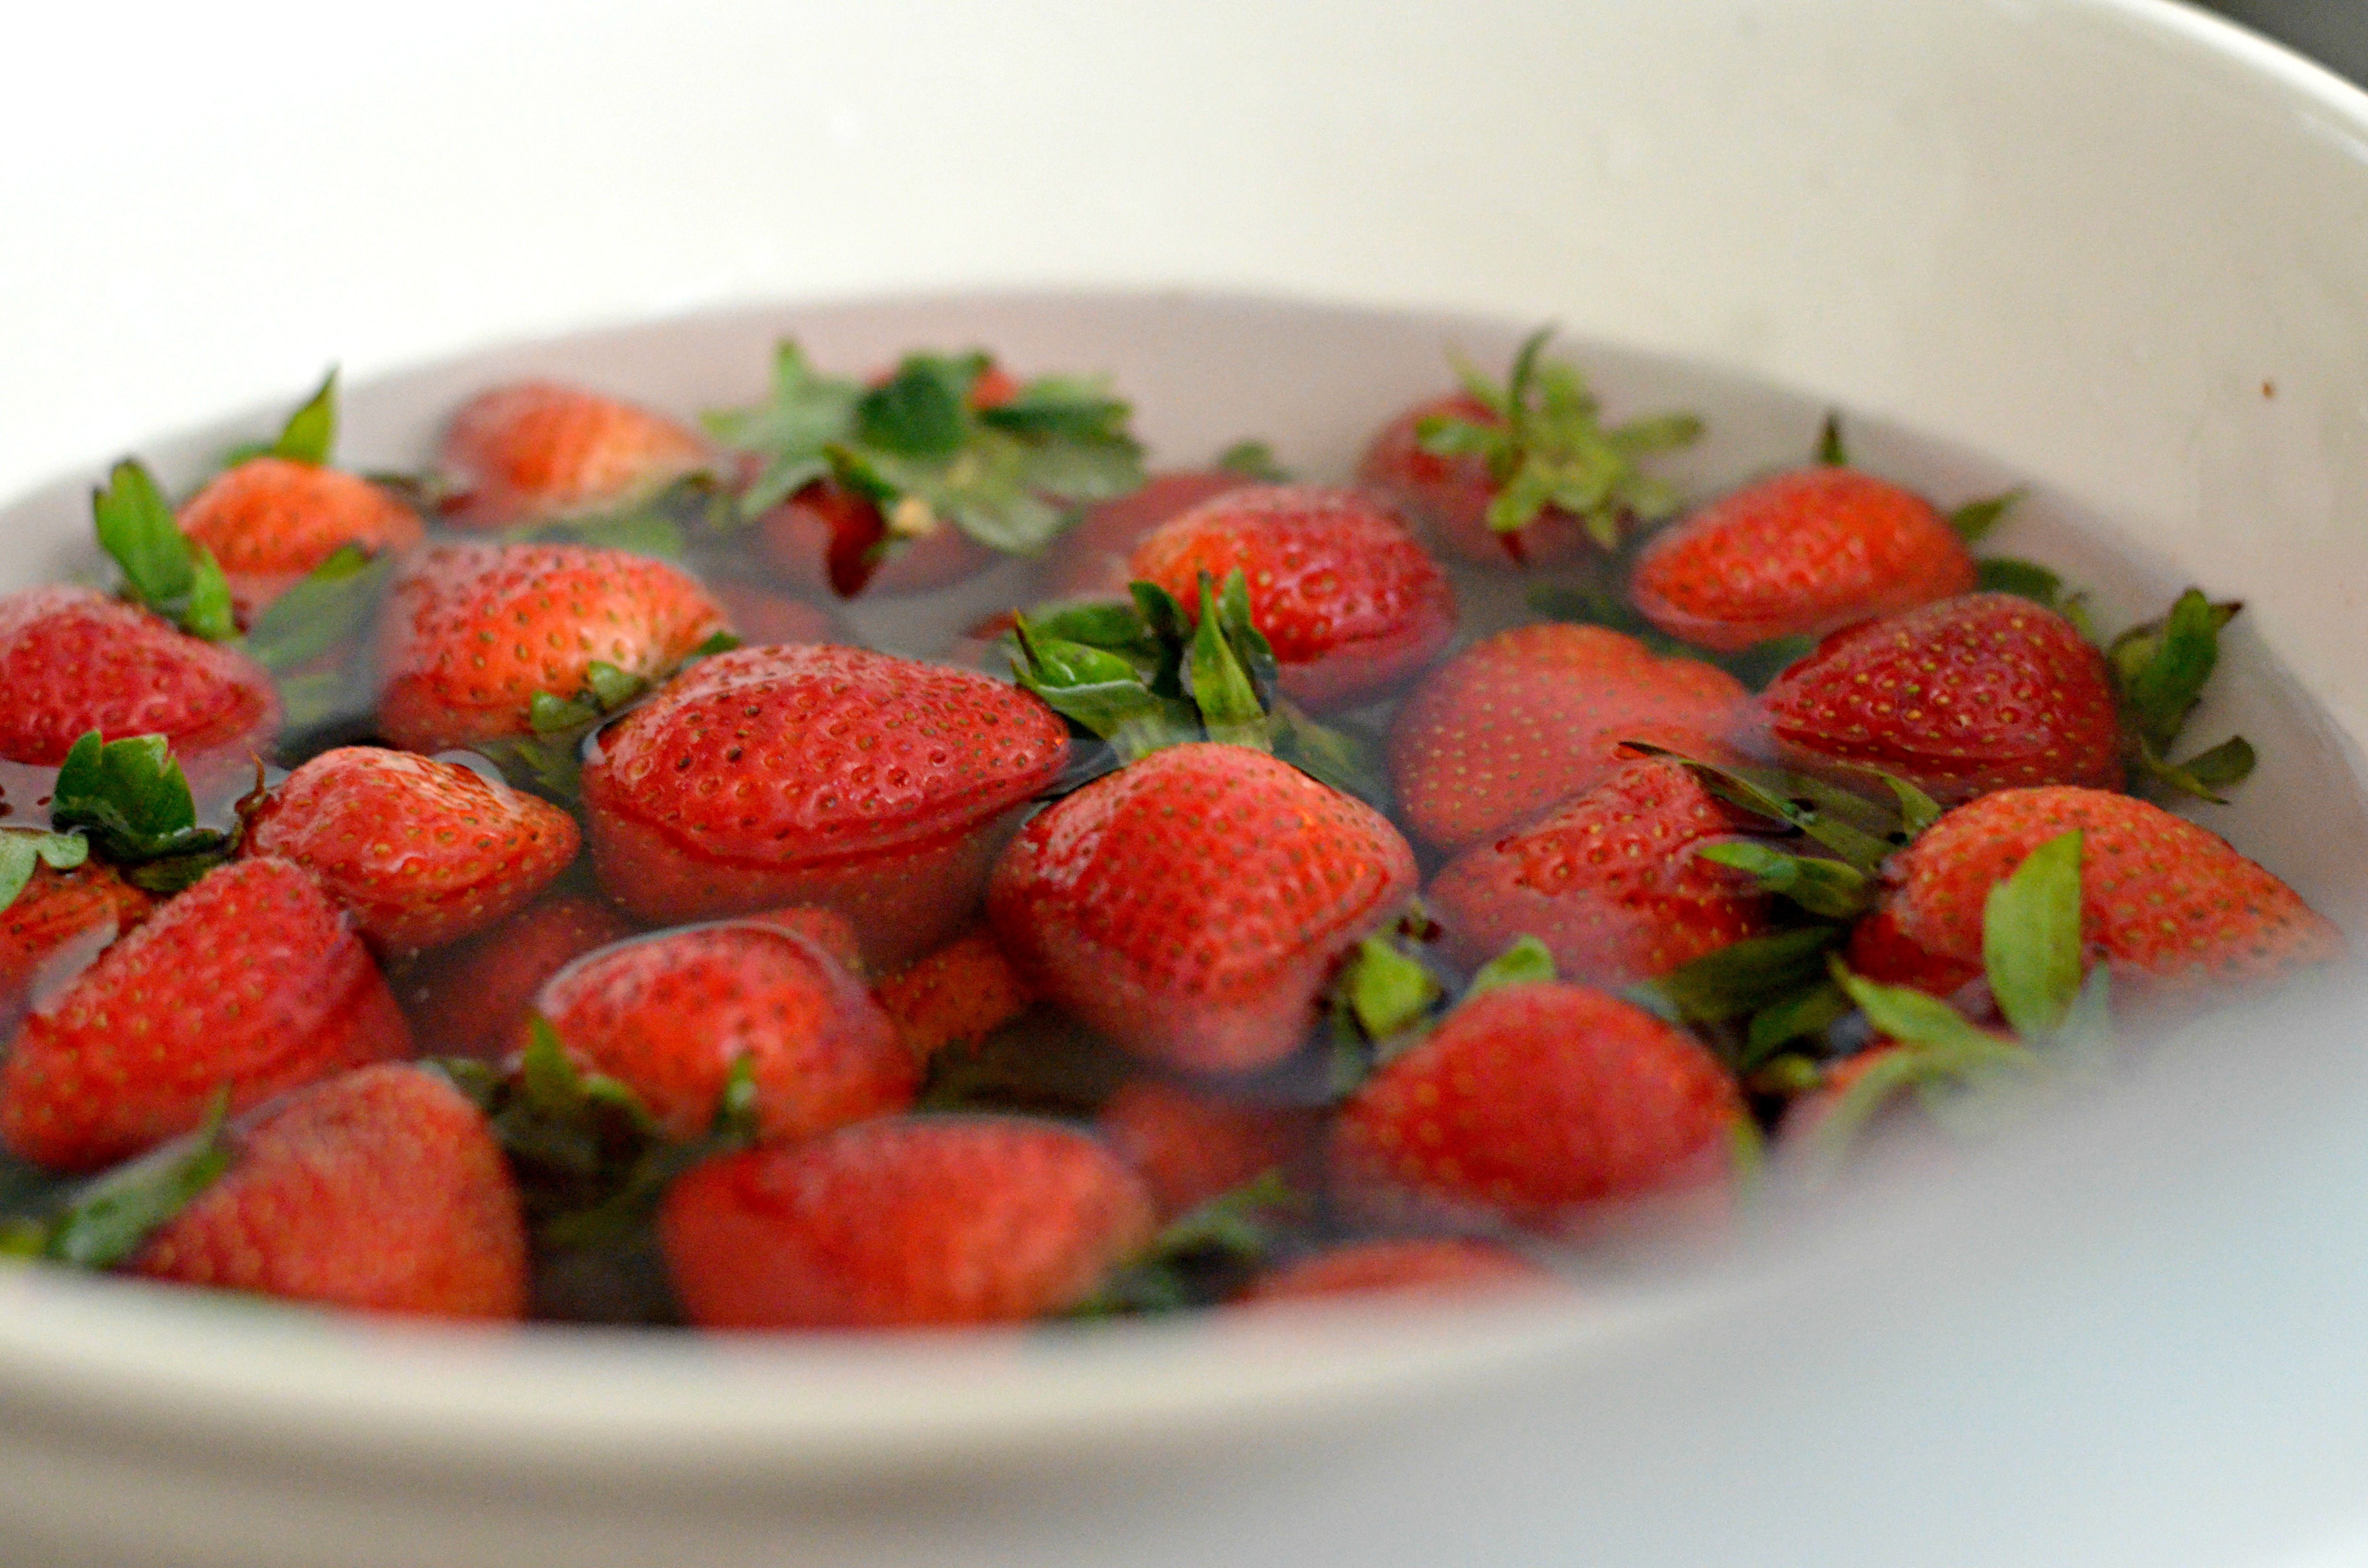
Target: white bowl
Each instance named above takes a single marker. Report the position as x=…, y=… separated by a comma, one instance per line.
x=2113, y=247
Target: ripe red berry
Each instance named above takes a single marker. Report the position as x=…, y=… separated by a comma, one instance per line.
x=1188, y=1146
x=538, y=450
x=270, y=521
x=72, y=661
x=1426, y=1266
x=472, y=998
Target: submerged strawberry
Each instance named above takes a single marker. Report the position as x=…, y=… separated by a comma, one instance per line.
x=964, y=992
x=248, y=981
x=1188, y=1146
x=270, y=520
x=63, y=916
x=1192, y=905
x=902, y=1222
x=72, y=661
x=472, y=998
x=827, y=536
x=879, y=787
x=1090, y=561
x=537, y=450
x=1450, y=1266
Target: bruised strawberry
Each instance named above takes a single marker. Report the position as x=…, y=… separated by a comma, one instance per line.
x=879, y=787
x=61, y=916
x=1532, y=716
x=1192, y=904
x=827, y=536
x=669, y=1015
x=1535, y=1105
x=1450, y=494
x=1349, y=602
x=472, y=631
x=1415, y=1266
x=248, y=981
x=270, y=520
x=72, y=661
x=1189, y=1147
x=382, y=1191
x=2168, y=904
x=1982, y=692
x=759, y=615
x=1798, y=554
x=473, y=998
x=965, y=991
x=419, y=852
x=1090, y=561
x=902, y=1222
x=1609, y=882
x=536, y=449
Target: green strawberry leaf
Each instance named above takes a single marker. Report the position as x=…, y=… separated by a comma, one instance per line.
x=1975, y=519
x=331, y=606
x=1387, y=991
x=1911, y=1017
x=1102, y=691
x=1219, y=685
x=1252, y=459
x=23, y=848
x=1830, y=451
x=919, y=411
x=2202, y=776
x=1859, y=830
x=1071, y=409
x=1250, y=644
x=1526, y=963
x=1330, y=755
x=1820, y=886
x=131, y=798
x=1741, y=978
x=161, y=568
x=793, y=430
x=2025, y=579
x=2030, y=938
x=1805, y=1013
x=109, y=1218
x=1205, y=1254
x=311, y=433
x=2163, y=664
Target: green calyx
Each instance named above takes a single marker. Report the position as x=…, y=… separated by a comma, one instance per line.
x=1547, y=448
x=1861, y=832
x=309, y=437
x=1206, y=1254
x=22, y=849
x=162, y=569
x=2160, y=669
x=103, y=1222
x=131, y=802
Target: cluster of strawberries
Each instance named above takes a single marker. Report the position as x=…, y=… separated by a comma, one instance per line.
x=589, y=962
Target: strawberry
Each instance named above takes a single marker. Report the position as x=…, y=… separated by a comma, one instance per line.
x=902, y=1222
x=418, y=852
x=382, y=1191
x=2168, y=904
x=1982, y=692
x=536, y=449
x=964, y=992
x=1192, y=904
x=1349, y=602
x=1609, y=882
x=472, y=998
x=879, y=787
x=825, y=928
x=1428, y=1266
x=1189, y=1147
x=669, y=1015
x=270, y=520
x=1534, y=1105
x=60, y=918
x=1797, y=554
x=1534, y=715
x=472, y=631
x=827, y=536
x=1450, y=494
x=759, y=615
x=72, y=661
x=1090, y=561
x=249, y=980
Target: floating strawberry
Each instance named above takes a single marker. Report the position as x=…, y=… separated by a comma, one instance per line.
x=964, y=992
x=250, y=980
x=472, y=998
x=1190, y=1146
x=68, y=916
x=537, y=450
x=72, y=661
x=1348, y=601
x=1443, y=1267
x=1532, y=716
x=875, y=786
x=902, y=1222
x=418, y=852
x=473, y=633
x=1192, y=904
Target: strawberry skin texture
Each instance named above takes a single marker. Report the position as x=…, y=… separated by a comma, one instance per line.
x=72, y=661
x=1451, y=495
x=1191, y=905
x=826, y=928
x=1962, y=696
x=882, y=788
x=902, y=1222
x=418, y=852
x=668, y=1015
x=1531, y=1105
x=472, y=631
x=270, y=521
x=965, y=991
x=1420, y=1265
x=1352, y=602
x=822, y=536
x=55, y=911
x=473, y=998
x=538, y=450
x=381, y=1191
x=2167, y=903
x=1534, y=715
x=250, y=979
x=1798, y=554
x=1189, y=1147
x=1090, y=561
x=1609, y=882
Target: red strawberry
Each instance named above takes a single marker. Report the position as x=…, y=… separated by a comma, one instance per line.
x=1090, y=561
x=1798, y=554
x=250, y=979
x=1190, y=1147
x=382, y=1191
x=65, y=916
x=419, y=852
x=827, y=536
x=759, y=615
x=473, y=998
x=965, y=991
x=669, y=1015
x=472, y=631
x=1351, y=602
x=540, y=449
x=1534, y=715
x=902, y=1222
x=2170, y=905
x=72, y=661
x=1451, y=495
x=1533, y=1105
x=1609, y=882
x=877, y=787
x=825, y=928
x=1982, y=692
x=1192, y=904
x=1430, y=1266
x=270, y=520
